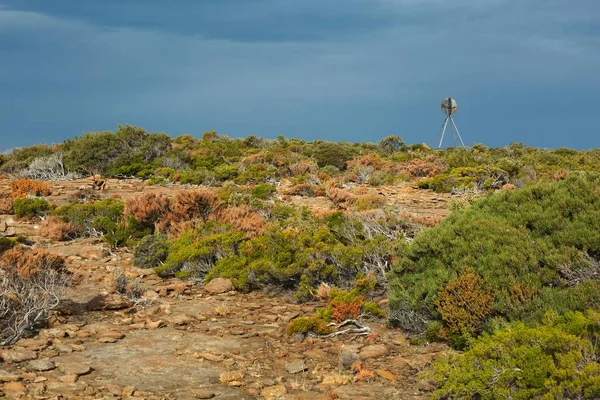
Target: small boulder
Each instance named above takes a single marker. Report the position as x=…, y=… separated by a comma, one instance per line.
x=219, y=285
x=74, y=368
x=41, y=365
x=273, y=392
x=373, y=351
x=8, y=377
x=296, y=367
x=18, y=354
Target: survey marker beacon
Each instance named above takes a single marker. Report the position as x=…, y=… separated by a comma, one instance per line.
x=449, y=107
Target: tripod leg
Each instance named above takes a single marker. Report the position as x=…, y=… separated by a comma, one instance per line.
x=443, y=131
x=458, y=133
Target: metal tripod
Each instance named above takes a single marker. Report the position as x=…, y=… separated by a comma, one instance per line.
x=453, y=129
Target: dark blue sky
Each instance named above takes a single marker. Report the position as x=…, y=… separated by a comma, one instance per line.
x=356, y=70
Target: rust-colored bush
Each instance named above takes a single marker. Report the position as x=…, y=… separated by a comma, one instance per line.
x=560, y=175
x=340, y=198
x=193, y=204
x=343, y=310
x=33, y=283
x=148, y=209
x=20, y=188
x=54, y=228
x=417, y=168
x=303, y=189
x=242, y=218
x=28, y=263
x=464, y=303
x=303, y=168
x=522, y=293
x=370, y=160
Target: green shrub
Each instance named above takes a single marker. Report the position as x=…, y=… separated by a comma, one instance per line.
x=103, y=218
x=196, y=253
x=263, y=191
x=304, y=325
x=151, y=251
x=30, y=208
x=538, y=246
x=555, y=360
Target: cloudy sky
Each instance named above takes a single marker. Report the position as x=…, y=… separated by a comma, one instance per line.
x=355, y=70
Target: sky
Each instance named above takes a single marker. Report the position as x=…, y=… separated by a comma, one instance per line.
x=353, y=70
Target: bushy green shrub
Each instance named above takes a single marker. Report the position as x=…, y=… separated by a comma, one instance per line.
x=538, y=247
x=30, y=207
x=263, y=191
x=103, y=218
x=151, y=251
x=555, y=360
x=194, y=254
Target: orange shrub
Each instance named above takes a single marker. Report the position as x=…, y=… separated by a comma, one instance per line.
x=54, y=228
x=193, y=204
x=20, y=188
x=303, y=168
x=343, y=310
x=371, y=160
x=242, y=218
x=560, y=175
x=340, y=198
x=421, y=168
x=148, y=209
x=27, y=263
x=464, y=303
x=303, y=189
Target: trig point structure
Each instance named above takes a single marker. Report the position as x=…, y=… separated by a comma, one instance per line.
x=449, y=107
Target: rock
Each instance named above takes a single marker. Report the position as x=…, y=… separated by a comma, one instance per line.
x=3, y=226
x=108, y=340
x=111, y=334
x=73, y=368
x=71, y=378
x=150, y=294
x=41, y=365
x=273, y=392
x=14, y=388
x=92, y=252
x=18, y=354
x=336, y=380
x=63, y=348
x=219, y=285
x=33, y=344
x=53, y=333
x=202, y=394
x=84, y=301
x=10, y=232
x=373, y=351
x=210, y=356
x=231, y=376
x=27, y=376
x=181, y=319
x=155, y=324
x=296, y=367
x=78, y=347
x=8, y=377
x=387, y=375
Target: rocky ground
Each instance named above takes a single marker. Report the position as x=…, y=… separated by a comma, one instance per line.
x=192, y=342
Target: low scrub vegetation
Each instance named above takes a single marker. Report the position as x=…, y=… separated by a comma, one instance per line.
x=526, y=251
x=556, y=360
x=32, y=283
